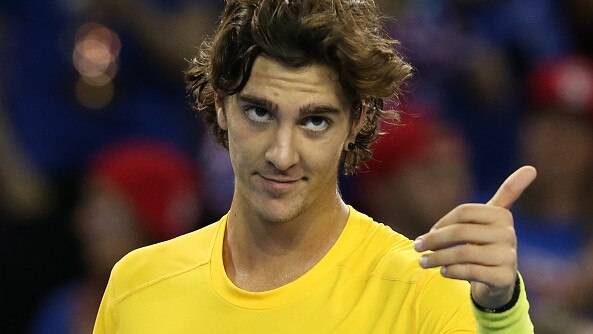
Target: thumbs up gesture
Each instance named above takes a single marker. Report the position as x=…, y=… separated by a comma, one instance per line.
x=477, y=243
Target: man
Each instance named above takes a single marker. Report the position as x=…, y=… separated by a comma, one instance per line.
x=294, y=89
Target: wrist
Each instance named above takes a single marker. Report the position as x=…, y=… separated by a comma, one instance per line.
x=505, y=307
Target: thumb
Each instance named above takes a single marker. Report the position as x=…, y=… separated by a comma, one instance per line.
x=512, y=188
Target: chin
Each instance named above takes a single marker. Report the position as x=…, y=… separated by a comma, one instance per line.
x=279, y=211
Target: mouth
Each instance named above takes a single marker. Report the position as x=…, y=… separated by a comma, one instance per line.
x=279, y=184
x=280, y=179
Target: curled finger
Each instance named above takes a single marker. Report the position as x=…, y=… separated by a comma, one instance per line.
x=495, y=276
x=467, y=233
x=485, y=255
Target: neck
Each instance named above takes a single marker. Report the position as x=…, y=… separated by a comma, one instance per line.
x=261, y=255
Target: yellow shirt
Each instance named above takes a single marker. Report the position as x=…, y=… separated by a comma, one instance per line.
x=369, y=282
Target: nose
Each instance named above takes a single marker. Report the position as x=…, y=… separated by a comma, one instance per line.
x=282, y=152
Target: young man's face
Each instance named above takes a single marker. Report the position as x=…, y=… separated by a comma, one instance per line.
x=287, y=129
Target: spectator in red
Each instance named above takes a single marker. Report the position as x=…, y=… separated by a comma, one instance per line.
x=135, y=194
x=553, y=219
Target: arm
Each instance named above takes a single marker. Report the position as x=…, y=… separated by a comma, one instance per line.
x=477, y=243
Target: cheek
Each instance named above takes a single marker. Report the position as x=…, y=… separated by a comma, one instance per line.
x=235, y=132
x=246, y=150
x=323, y=156
x=240, y=155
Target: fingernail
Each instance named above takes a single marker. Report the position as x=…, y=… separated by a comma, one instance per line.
x=443, y=270
x=423, y=261
x=418, y=243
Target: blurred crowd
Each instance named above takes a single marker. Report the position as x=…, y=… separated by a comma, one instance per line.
x=100, y=153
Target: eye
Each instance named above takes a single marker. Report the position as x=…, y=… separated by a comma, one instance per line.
x=316, y=123
x=257, y=114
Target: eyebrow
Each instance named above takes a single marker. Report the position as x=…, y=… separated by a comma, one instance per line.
x=259, y=101
x=309, y=109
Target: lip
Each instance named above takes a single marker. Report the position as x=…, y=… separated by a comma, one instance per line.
x=278, y=184
x=279, y=180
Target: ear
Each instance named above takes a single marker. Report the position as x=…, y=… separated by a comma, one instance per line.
x=357, y=125
x=220, y=112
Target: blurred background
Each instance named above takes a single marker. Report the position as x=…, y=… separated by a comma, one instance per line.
x=100, y=153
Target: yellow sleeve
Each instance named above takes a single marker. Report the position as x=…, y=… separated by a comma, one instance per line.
x=106, y=317
x=442, y=306
x=513, y=321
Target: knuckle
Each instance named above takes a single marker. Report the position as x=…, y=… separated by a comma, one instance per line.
x=509, y=235
x=461, y=232
x=466, y=252
x=509, y=256
x=506, y=216
x=464, y=209
x=471, y=272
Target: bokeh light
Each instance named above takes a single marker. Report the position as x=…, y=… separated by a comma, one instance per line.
x=95, y=57
x=94, y=97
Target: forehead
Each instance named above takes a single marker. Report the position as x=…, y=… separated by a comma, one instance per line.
x=314, y=83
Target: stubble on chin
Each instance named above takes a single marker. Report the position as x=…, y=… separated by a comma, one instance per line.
x=278, y=212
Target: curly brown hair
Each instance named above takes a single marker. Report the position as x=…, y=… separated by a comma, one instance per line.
x=347, y=35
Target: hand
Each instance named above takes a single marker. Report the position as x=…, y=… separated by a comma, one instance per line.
x=477, y=243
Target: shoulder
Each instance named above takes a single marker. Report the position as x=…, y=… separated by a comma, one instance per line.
x=438, y=304
x=391, y=255
x=148, y=265
x=398, y=261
